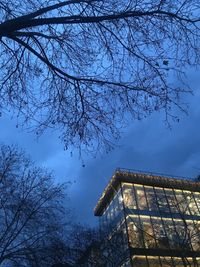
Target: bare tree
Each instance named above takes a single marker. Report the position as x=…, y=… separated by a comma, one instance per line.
x=114, y=247
x=92, y=249
x=30, y=211
x=83, y=67
x=83, y=239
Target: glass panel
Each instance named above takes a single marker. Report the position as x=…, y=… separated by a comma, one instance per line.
x=180, y=238
x=148, y=233
x=153, y=261
x=129, y=196
x=194, y=235
x=141, y=198
x=197, y=201
x=135, y=232
x=181, y=203
x=193, y=204
x=112, y=214
x=169, y=231
x=161, y=200
x=178, y=262
x=188, y=199
x=151, y=198
x=172, y=201
x=140, y=261
x=160, y=235
x=166, y=261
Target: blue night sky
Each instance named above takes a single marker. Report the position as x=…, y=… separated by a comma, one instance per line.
x=146, y=145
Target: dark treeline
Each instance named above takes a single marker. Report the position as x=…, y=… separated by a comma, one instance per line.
x=36, y=228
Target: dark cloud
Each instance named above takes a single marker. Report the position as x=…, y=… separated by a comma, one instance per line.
x=146, y=145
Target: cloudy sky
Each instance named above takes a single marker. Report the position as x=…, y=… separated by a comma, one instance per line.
x=146, y=145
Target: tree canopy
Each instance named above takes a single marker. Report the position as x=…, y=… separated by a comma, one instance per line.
x=84, y=67
x=31, y=213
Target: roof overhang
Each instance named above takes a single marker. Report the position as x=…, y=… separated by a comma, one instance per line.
x=144, y=179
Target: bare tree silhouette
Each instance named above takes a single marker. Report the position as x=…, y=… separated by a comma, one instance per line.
x=84, y=67
x=30, y=212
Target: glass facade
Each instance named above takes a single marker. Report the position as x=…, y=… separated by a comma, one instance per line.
x=154, y=261
x=114, y=233
x=162, y=219
x=153, y=226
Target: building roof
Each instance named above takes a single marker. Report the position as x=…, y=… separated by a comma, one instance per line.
x=144, y=178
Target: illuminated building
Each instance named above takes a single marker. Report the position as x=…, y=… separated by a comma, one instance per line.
x=150, y=220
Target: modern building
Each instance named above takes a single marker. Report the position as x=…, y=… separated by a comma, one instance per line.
x=150, y=220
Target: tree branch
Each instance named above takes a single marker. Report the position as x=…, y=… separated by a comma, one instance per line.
x=17, y=24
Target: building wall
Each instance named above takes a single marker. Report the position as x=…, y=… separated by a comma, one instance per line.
x=162, y=219
x=157, y=261
x=114, y=233
x=144, y=220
